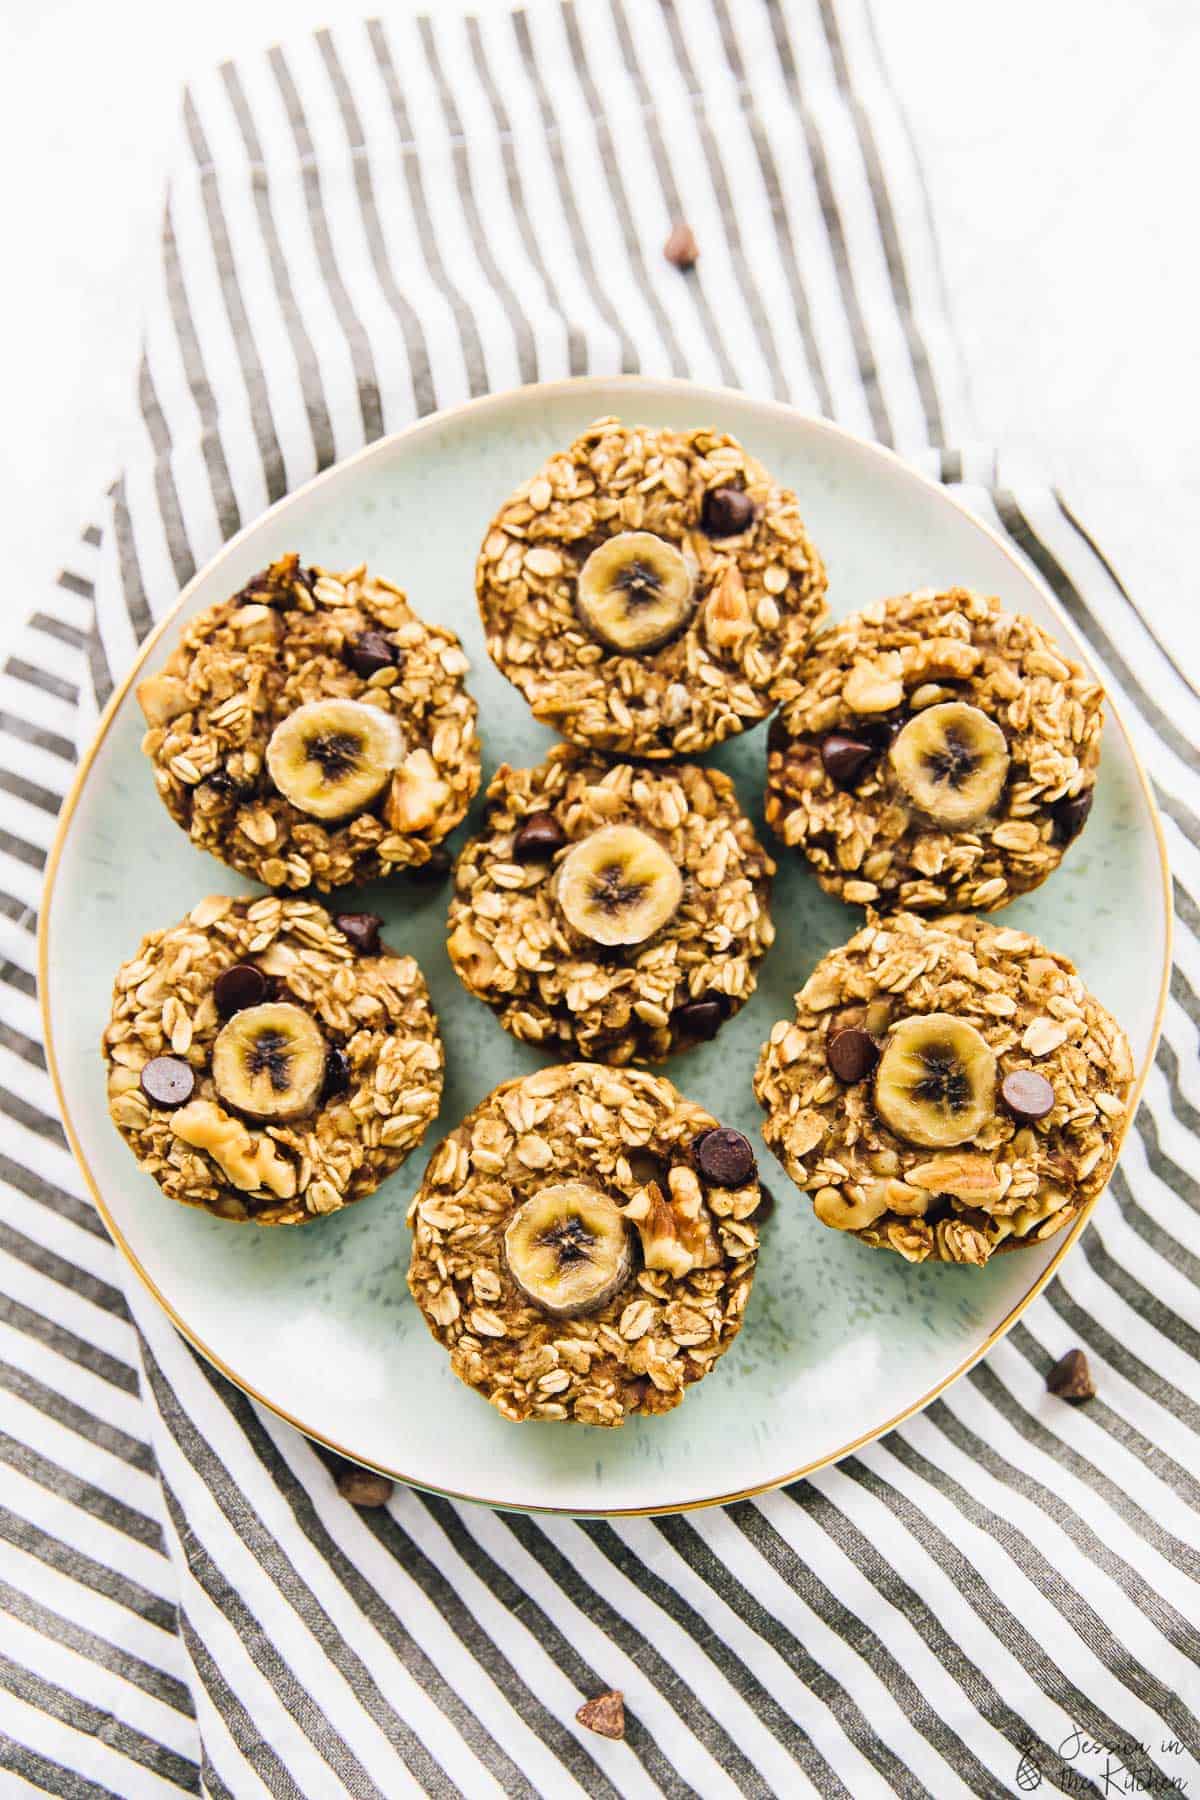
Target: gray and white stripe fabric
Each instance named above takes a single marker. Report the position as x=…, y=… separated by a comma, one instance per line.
x=373, y=222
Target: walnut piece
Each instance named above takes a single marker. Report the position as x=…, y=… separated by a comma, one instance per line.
x=250, y=1162
x=417, y=795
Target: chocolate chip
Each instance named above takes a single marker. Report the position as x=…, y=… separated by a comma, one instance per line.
x=724, y=1158
x=605, y=1714
x=363, y=1487
x=698, y=1019
x=681, y=247
x=726, y=511
x=337, y=1073
x=361, y=930
x=1071, y=1379
x=846, y=757
x=538, y=837
x=1027, y=1095
x=370, y=653
x=168, y=1082
x=1070, y=816
x=851, y=1054
x=766, y=1204
x=237, y=988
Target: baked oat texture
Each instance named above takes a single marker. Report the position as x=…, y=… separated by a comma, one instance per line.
x=867, y=843
x=761, y=594
x=245, y=664
x=629, y=1133
x=375, y=1009
x=512, y=946
x=1012, y=1184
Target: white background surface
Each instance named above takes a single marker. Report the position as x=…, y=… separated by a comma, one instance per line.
x=1060, y=142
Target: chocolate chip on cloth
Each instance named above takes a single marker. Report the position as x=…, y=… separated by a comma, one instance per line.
x=648, y=590
x=569, y=1255
x=312, y=731
x=934, y=753
x=908, y=1094
x=260, y=1107
x=611, y=911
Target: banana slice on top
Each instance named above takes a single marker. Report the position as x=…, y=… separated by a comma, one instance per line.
x=331, y=758
x=635, y=591
x=568, y=1249
x=952, y=762
x=268, y=1062
x=618, y=886
x=936, y=1081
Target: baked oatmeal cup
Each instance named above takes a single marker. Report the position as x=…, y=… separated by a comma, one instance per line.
x=934, y=752
x=948, y=1089
x=312, y=730
x=584, y=1244
x=611, y=911
x=268, y=1062
x=647, y=590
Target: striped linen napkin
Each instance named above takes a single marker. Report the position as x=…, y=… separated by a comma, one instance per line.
x=382, y=219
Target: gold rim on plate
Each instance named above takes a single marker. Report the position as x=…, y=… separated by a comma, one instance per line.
x=581, y=384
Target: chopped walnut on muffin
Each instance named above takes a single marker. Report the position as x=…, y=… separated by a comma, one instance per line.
x=312, y=730
x=934, y=752
x=268, y=1062
x=647, y=590
x=611, y=911
x=946, y=1090
x=584, y=1244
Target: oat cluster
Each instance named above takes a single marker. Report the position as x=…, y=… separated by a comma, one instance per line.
x=631, y=1134
x=873, y=671
x=244, y=665
x=1012, y=1184
x=373, y=1009
x=760, y=594
x=513, y=947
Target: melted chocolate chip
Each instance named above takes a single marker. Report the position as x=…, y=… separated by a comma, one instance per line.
x=337, y=1073
x=724, y=1158
x=851, y=1054
x=681, y=247
x=237, y=988
x=1070, y=816
x=846, y=757
x=698, y=1020
x=726, y=512
x=370, y=653
x=537, y=838
x=361, y=930
x=1027, y=1095
x=1071, y=1378
x=766, y=1204
x=167, y=1082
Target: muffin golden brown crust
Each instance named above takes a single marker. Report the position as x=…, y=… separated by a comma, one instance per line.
x=1011, y=1110
x=876, y=715
x=754, y=594
x=191, y=1001
x=291, y=638
x=636, y=1146
x=515, y=939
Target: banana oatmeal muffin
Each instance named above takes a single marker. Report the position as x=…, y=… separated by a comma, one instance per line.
x=584, y=1244
x=312, y=730
x=647, y=590
x=948, y=1089
x=269, y=1062
x=935, y=752
x=612, y=911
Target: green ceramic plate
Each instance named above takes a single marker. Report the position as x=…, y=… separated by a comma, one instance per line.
x=840, y=1341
